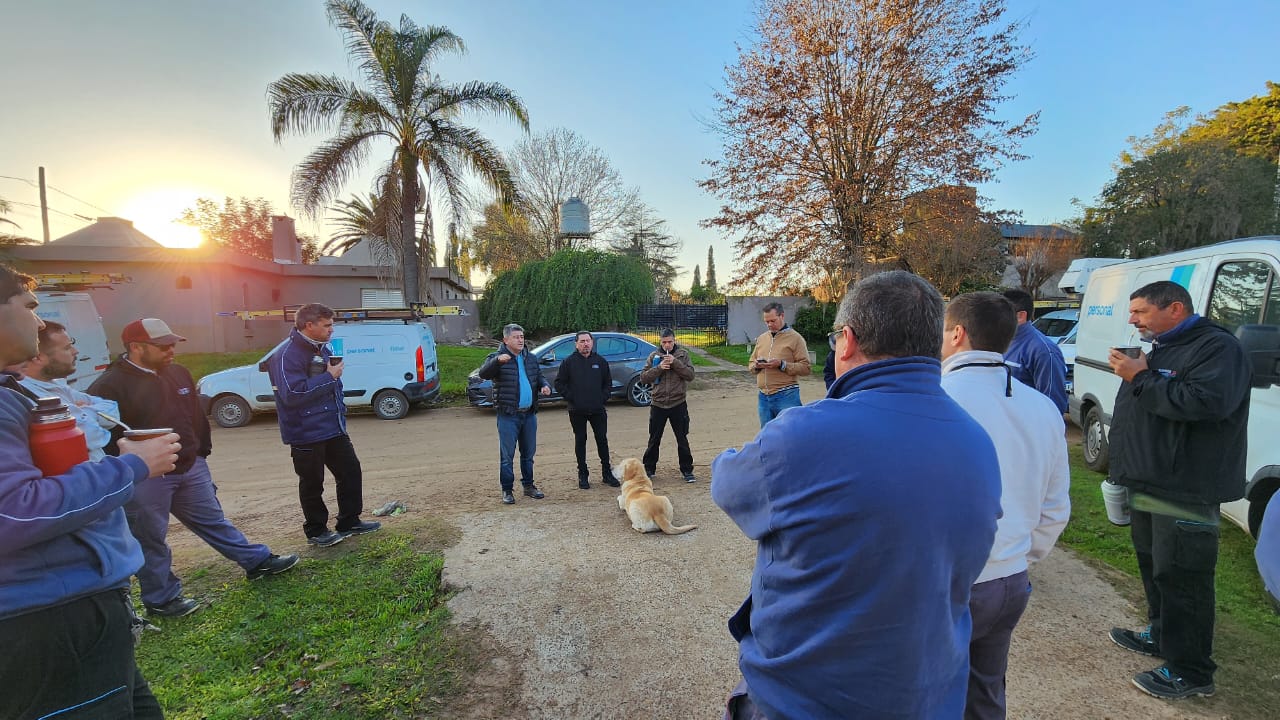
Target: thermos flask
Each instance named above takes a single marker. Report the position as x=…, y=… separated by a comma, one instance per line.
x=57, y=445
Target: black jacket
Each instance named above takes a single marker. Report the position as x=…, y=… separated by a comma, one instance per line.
x=584, y=382
x=1179, y=430
x=157, y=400
x=506, y=383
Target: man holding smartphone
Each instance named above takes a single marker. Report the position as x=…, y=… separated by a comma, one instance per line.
x=307, y=382
x=669, y=370
x=779, y=357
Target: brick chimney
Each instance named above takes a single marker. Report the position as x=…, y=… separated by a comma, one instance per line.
x=285, y=247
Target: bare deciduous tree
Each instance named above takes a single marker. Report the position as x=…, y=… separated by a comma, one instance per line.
x=1039, y=257
x=842, y=110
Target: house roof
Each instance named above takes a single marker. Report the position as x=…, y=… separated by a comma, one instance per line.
x=1045, y=232
x=108, y=232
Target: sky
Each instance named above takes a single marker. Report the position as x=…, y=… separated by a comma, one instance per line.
x=138, y=107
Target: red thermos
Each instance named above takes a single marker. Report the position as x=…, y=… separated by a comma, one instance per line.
x=57, y=445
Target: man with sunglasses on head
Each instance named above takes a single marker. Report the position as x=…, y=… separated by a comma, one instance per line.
x=155, y=392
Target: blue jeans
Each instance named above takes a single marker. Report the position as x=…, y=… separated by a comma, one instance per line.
x=770, y=406
x=191, y=498
x=516, y=429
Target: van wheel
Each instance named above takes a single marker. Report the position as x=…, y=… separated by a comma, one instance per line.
x=639, y=394
x=390, y=405
x=231, y=411
x=1097, y=454
x=1256, y=510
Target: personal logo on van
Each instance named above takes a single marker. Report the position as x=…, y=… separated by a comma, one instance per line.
x=1105, y=310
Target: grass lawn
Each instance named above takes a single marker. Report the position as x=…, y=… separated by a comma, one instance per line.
x=201, y=364
x=456, y=362
x=354, y=635
x=1247, y=631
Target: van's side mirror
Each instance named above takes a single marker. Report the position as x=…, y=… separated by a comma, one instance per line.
x=547, y=359
x=262, y=366
x=1262, y=344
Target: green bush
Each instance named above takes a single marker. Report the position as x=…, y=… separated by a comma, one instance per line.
x=571, y=290
x=814, y=322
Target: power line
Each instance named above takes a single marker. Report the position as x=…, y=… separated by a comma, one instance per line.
x=74, y=216
x=57, y=190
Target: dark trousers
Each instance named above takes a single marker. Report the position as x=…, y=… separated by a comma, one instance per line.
x=740, y=706
x=678, y=416
x=600, y=428
x=1177, y=559
x=996, y=606
x=74, y=662
x=192, y=498
x=309, y=462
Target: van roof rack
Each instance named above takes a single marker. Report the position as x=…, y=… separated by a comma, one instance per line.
x=415, y=311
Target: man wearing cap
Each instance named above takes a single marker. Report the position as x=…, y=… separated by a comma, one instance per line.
x=154, y=392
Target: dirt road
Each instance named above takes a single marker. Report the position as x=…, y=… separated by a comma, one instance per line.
x=582, y=617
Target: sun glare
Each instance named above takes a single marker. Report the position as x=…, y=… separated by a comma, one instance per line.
x=154, y=211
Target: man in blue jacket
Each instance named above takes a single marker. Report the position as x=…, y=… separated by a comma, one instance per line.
x=874, y=511
x=65, y=613
x=516, y=377
x=1036, y=360
x=307, y=381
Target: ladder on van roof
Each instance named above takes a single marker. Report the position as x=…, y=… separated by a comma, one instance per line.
x=78, y=281
x=415, y=311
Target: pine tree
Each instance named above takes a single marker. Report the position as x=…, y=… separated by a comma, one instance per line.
x=711, y=272
x=697, y=280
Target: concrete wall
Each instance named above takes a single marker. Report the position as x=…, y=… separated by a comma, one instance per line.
x=745, y=323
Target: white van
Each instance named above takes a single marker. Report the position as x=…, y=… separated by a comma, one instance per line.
x=1235, y=284
x=77, y=312
x=390, y=364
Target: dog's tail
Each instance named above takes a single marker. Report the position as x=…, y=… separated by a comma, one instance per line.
x=662, y=522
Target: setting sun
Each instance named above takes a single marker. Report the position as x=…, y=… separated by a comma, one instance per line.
x=154, y=212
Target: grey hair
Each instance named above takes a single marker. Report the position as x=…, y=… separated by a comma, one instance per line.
x=510, y=328
x=311, y=312
x=667, y=332
x=894, y=314
x=775, y=307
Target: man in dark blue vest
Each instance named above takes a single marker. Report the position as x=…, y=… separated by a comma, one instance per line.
x=517, y=379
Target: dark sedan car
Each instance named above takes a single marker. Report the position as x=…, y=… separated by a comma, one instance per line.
x=625, y=353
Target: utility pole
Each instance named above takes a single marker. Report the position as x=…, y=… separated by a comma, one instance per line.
x=44, y=208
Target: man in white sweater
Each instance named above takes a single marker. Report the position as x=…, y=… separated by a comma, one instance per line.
x=1028, y=433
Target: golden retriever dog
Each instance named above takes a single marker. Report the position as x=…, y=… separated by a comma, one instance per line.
x=648, y=512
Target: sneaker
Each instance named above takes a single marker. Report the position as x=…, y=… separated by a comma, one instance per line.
x=584, y=484
x=328, y=539
x=688, y=477
x=177, y=607
x=532, y=491
x=508, y=498
x=1165, y=685
x=1134, y=641
x=649, y=474
x=360, y=527
x=273, y=565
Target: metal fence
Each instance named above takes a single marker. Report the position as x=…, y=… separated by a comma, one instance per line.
x=696, y=325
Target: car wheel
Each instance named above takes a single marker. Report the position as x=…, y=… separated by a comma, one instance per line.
x=390, y=405
x=1097, y=454
x=1257, y=508
x=231, y=411
x=639, y=394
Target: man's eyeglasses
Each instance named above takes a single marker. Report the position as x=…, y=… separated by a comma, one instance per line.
x=834, y=336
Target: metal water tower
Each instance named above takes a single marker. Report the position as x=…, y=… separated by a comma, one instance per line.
x=575, y=219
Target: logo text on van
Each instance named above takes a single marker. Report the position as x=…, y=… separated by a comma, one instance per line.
x=1100, y=310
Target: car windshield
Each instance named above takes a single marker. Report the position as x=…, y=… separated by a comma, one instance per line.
x=1055, y=326
x=273, y=350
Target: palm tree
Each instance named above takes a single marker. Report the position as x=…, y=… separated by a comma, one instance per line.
x=399, y=99
x=358, y=219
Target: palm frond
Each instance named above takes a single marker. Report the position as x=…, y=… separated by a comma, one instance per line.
x=366, y=39
x=302, y=103
x=321, y=175
x=481, y=156
x=452, y=100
